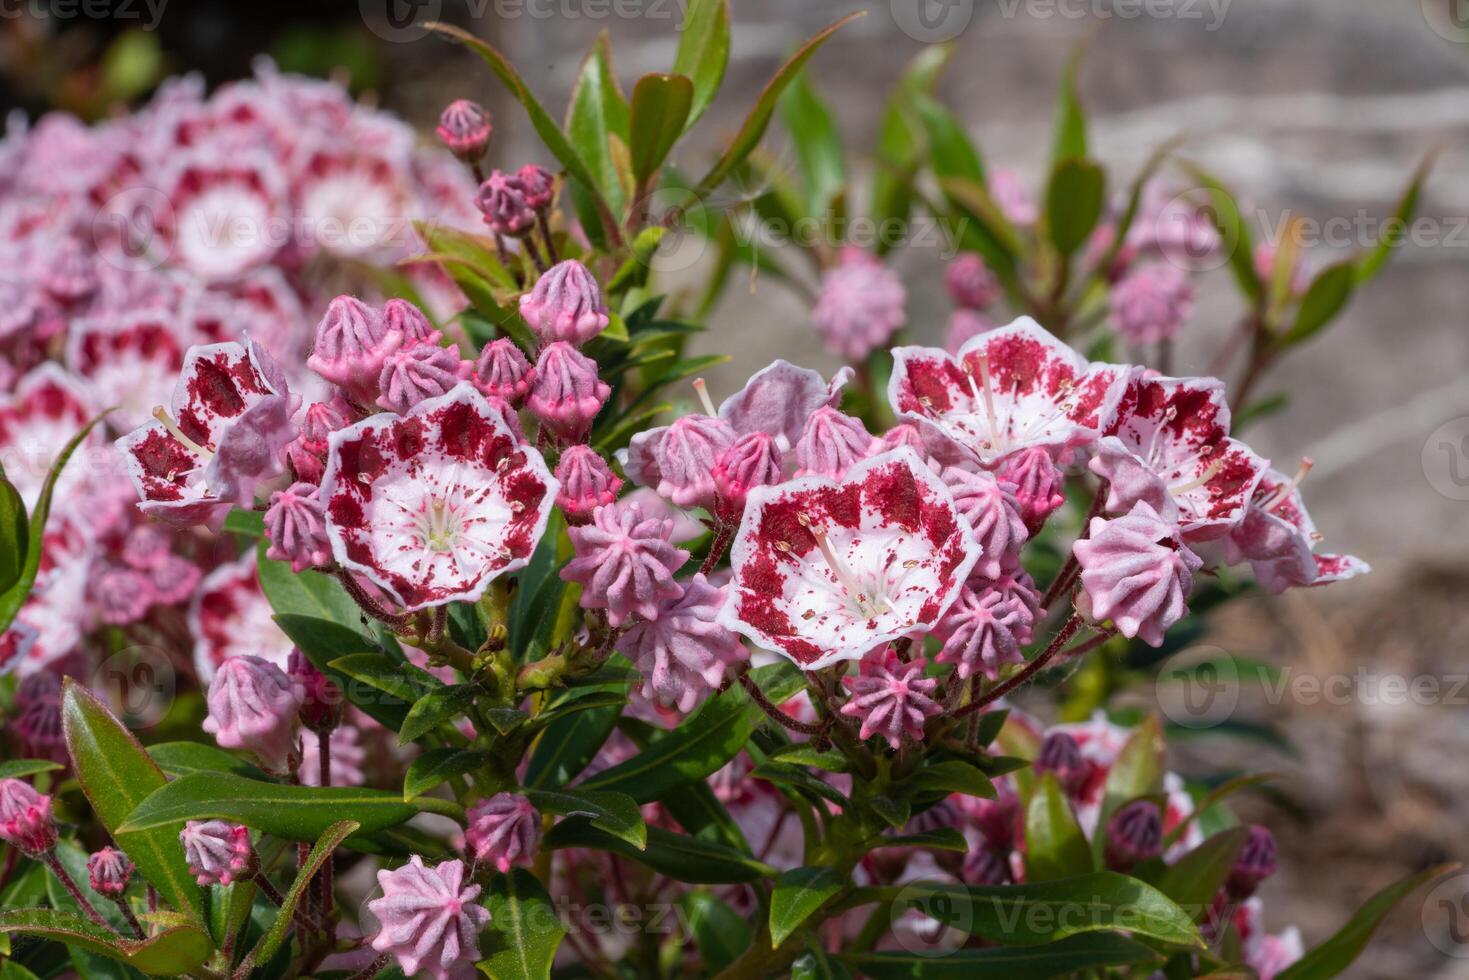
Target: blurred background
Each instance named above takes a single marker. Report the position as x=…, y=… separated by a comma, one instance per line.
x=1314, y=110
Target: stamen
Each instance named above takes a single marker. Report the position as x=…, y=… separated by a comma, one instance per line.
x=843, y=575
x=1204, y=478
x=1284, y=492
x=988, y=398
x=703, y=391
x=161, y=414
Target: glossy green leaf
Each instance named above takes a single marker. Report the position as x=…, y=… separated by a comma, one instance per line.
x=308, y=593
x=435, y=766
x=703, y=51
x=1068, y=957
x=598, y=112
x=615, y=813
x=21, y=768
x=319, y=854
x=1071, y=126
x=894, y=813
x=245, y=523
x=15, y=534
x=1328, y=295
x=182, y=758
x=176, y=950
x=898, y=142
x=1055, y=845
x=675, y=855
x=1194, y=879
x=818, y=144
x=434, y=709
x=1395, y=232
x=942, y=839
x=721, y=933
x=1074, y=202
x=699, y=812
x=952, y=776
x=568, y=744
x=1137, y=772
x=797, y=895
x=660, y=107
x=117, y=775
x=524, y=931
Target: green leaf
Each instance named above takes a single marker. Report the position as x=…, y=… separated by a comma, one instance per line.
x=948, y=777
x=1234, y=235
x=1335, y=955
x=817, y=964
x=435, y=766
x=1327, y=296
x=568, y=744
x=117, y=775
x=675, y=855
x=1055, y=845
x=181, y=758
x=21, y=768
x=721, y=933
x=754, y=125
x=308, y=593
x=326, y=643
x=598, y=112
x=894, y=813
x=245, y=523
x=1074, y=202
x=798, y=894
x=818, y=144
x=293, y=812
x=1193, y=879
x=942, y=839
x=898, y=144
x=1037, y=913
x=1376, y=260
x=1061, y=959
x=178, y=949
x=1137, y=772
x=615, y=813
x=434, y=709
x=524, y=932
x=1071, y=125
x=703, y=51
x=952, y=154
x=15, y=534
x=320, y=853
x=660, y=107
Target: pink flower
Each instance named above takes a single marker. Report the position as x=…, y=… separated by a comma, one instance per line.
x=503, y=831
x=1137, y=572
x=46, y=408
x=308, y=453
x=108, y=872
x=1170, y=448
x=412, y=374
x=130, y=360
x=25, y=818
x=464, y=127
x=751, y=461
x=1278, y=538
x=567, y=394
x=428, y=917
x=253, y=706
x=682, y=652
x=1011, y=389
x=1151, y=303
x=222, y=207
x=983, y=631
x=891, y=698
x=540, y=186
x=431, y=506
x=686, y=456
x=586, y=483
x=501, y=199
x=295, y=524
x=970, y=282
x=860, y=305
x=230, y=617
x=352, y=344
x=121, y=594
x=503, y=371
x=993, y=513
x=964, y=326
x=831, y=444
x=218, y=853
x=229, y=425
x=1268, y=955
x=625, y=563
x=824, y=571
x=1039, y=485
x=565, y=305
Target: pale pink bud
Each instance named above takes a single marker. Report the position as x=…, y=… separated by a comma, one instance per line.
x=970, y=282
x=402, y=317
x=1038, y=483
x=686, y=456
x=501, y=199
x=1137, y=572
x=321, y=701
x=565, y=304
x=218, y=853
x=295, y=524
x=683, y=653
x=421, y=371
x=983, y=631
x=753, y=460
x=252, y=706
x=587, y=482
x=993, y=513
x=503, y=831
x=567, y=394
x=891, y=698
x=1151, y=303
x=427, y=917
x=352, y=342
x=831, y=443
x=860, y=305
x=625, y=563
x=540, y=186
x=503, y=371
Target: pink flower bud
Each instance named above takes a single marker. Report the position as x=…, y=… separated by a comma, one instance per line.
x=683, y=653
x=25, y=818
x=1134, y=835
x=464, y=126
x=986, y=867
x=993, y=513
x=503, y=371
x=1038, y=483
x=501, y=199
x=565, y=304
x=587, y=482
x=831, y=443
x=109, y=871
x=121, y=595
x=686, y=456
x=1137, y=572
x=625, y=563
x=1061, y=755
x=352, y=342
x=308, y=452
x=218, y=853
x=983, y=631
x=753, y=460
x=427, y=918
x=970, y=282
x=295, y=524
x=252, y=706
x=321, y=701
x=860, y=305
x=891, y=698
x=1258, y=860
x=503, y=831
x=38, y=717
x=421, y=371
x=1151, y=303
x=402, y=317
x=540, y=186
x=567, y=394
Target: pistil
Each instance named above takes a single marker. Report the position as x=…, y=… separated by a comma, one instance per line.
x=1202, y=479
x=988, y=399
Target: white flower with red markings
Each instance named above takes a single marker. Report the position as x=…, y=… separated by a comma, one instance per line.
x=824, y=571
x=433, y=505
x=48, y=407
x=227, y=212
x=1278, y=538
x=129, y=361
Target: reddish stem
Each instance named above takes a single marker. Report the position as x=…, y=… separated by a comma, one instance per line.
x=51, y=861
x=1030, y=670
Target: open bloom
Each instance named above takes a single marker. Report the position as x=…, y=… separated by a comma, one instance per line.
x=1007, y=390
x=503, y=831
x=428, y=918
x=891, y=698
x=1137, y=572
x=224, y=434
x=1278, y=538
x=1170, y=448
x=230, y=617
x=253, y=706
x=824, y=571
x=683, y=653
x=625, y=562
x=433, y=505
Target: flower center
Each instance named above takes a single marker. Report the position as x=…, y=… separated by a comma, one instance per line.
x=861, y=599
x=439, y=524
x=984, y=393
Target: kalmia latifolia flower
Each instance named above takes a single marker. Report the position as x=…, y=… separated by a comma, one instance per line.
x=625, y=562
x=993, y=513
x=464, y=127
x=1257, y=860
x=831, y=443
x=501, y=199
x=352, y=344
x=1134, y=835
x=428, y=918
x=824, y=571
x=217, y=852
x=47, y=407
x=319, y=700
x=567, y=394
x=1277, y=537
x=565, y=305
x=860, y=305
x=503, y=371
x=224, y=434
x=108, y=872
x=587, y=482
x=1151, y=303
x=253, y=706
x=751, y=461
x=540, y=186
x=1039, y=485
x=503, y=831
x=414, y=373
x=683, y=652
x=25, y=818
x=983, y=631
x=1137, y=572
x=431, y=506
x=295, y=524
x=891, y=698
x=970, y=282
x=1011, y=389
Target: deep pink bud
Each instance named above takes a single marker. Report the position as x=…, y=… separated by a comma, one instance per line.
x=427, y=917
x=971, y=283
x=1038, y=483
x=108, y=871
x=218, y=853
x=587, y=482
x=421, y=371
x=503, y=371
x=540, y=186
x=1258, y=860
x=753, y=460
x=625, y=563
x=402, y=317
x=464, y=126
x=983, y=631
x=1134, y=835
x=567, y=394
x=320, y=421
x=986, y=867
x=565, y=304
x=686, y=456
x=1061, y=755
x=321, y=701
x=1137, y=572
x=252, y=706
x=501, y=199
x=295, y=524
x=121, y=594
x=831, y=443
x=25, y=818
x=891, y=698
x=352, y=342
x=503, y=831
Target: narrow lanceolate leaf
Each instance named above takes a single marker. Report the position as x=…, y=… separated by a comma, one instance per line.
x=721, y=933
x=436, y=766
x=293, y=812
x=1137, y=772
x=613, y=812
x=15, y=533
x=1055, y=845
x=1071, y=126
x=1193, y=879
x=754, y=125
x=1063, y=959
x=1235, y=237
x=524, y=930
x=117, y=775
x=320, y=853
x=660, y=107
x=941, y=839
x=703, y=51
x=953, y=776
x=21, y=768
x=1328, y=295
x=818, y=144
x=1397, y=231
x=675, y=855
x=433, y=709
x=798, y=894
x=307, y=593
x=1074, y=203
x=179, y=949
x=597, y=113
